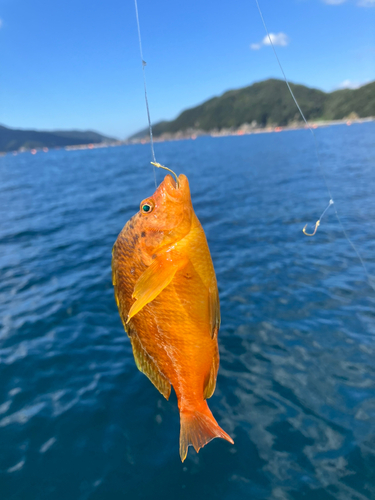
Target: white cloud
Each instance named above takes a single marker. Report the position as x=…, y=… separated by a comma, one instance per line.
x=348, y=84
x=280, y=39
x=277, y=39
x=334, y=2
x=360, y=3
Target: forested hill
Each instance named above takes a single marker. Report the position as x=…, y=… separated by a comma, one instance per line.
x=270, y=103
x=13, y=139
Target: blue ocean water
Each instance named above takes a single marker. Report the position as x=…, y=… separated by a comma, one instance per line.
x=296, y=386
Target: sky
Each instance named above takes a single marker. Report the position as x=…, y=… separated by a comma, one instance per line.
x=76, y=64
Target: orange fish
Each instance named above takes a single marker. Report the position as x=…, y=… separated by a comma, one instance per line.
x=166, y=292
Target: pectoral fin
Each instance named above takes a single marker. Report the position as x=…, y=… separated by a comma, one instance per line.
x=153, y=281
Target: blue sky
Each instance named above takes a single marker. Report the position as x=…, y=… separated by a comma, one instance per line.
x=75, y=64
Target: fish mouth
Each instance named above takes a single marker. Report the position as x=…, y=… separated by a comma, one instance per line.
x=171, y=184
x=170, y=188
x=174, y=192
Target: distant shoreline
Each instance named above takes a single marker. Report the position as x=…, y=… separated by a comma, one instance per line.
x=246, y=130
x=263, y=107
x=76, y=147
x=194, y=134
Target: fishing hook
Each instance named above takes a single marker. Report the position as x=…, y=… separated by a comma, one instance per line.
x=316, y=227
x=318, y=222
x=169, y=170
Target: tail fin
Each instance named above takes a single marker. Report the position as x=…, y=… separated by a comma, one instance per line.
x=198, y=427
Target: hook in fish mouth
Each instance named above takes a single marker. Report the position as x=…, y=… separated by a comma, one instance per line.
x=169, y=170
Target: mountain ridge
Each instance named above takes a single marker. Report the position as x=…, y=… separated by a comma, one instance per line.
x=12, y=139
x=268, y=103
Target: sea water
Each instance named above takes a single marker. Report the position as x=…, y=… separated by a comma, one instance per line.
x=296, y=386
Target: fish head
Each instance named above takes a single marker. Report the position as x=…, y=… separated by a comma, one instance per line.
x=166, y=216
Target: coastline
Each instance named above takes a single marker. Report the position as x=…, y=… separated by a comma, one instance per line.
x=192, y=134
x=247, y=129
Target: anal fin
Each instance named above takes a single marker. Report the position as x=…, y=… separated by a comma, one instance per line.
x=214, y=310
x=146, y=365
x=210, y=384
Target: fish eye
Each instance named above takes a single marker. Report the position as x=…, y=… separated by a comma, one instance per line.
x=147, y=206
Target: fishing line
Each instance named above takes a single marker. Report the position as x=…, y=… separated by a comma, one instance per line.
x=145, y=87
x=331, y=202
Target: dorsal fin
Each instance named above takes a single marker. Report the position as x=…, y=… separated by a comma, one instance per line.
x=146, y=365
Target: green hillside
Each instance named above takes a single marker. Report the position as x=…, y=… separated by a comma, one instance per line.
x=270, y=103
x=13, y=139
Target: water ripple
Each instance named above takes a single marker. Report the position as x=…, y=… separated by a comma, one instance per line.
x=297, y=343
